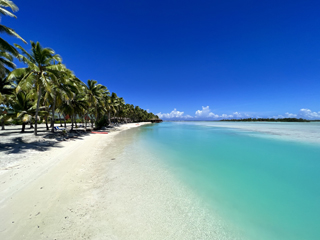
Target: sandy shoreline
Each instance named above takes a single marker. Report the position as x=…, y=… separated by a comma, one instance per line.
x=89, y=188
x=38, y=191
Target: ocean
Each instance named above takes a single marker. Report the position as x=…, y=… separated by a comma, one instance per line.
x=261, y=180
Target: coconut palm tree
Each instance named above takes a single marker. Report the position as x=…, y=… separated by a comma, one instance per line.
x=4, y=45
x=23, y=106
x=96, y=94
x=40, y=73
x=120, y=107
x=6, y=90
x=63, y=89
x=114, y=103
x=79, y=105
x=6, y=61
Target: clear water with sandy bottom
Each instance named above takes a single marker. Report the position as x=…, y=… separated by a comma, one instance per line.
x=261, y=181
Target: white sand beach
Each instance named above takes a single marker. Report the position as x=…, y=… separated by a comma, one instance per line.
x=83, y=189
x=44, y=192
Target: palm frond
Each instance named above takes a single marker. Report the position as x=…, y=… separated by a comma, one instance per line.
x=10, y=4
x=24, y=52
x=11, y=32
x=5, y=46
x=6, y=62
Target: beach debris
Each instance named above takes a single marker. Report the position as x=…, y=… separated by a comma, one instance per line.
x=113, y=159
x=37, y=214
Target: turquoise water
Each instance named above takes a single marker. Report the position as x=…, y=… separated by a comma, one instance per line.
x=264, y=188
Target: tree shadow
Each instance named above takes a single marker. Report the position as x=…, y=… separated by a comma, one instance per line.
x=18, y=146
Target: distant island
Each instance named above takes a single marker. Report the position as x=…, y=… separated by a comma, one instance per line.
x=266, y=120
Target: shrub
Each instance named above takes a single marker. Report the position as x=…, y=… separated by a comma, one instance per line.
x=102, y=122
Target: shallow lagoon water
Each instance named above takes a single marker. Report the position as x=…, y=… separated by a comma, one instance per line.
x=265, y=185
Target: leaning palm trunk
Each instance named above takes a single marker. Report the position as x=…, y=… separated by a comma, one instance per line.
x=91, y=121
x=71, y=122
x=53, y=109
x=65, y=122
x=60, y=120
x=23, y=127
x=85, y=119
x=97, y=113
x=37, y=111
x=47, y=123
x=75, y=120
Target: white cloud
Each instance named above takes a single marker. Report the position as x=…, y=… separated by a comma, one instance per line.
x=303, y=113
x=286, y=115
x=175, y=114
x=308, y=114
x=237, y=115
x=206, y=113
x=290, y=115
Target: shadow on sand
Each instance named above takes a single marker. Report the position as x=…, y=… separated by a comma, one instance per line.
x=18, y=146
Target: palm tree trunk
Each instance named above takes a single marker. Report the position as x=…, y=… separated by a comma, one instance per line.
x=23, y=127
x=96, y=116
x=91, y=121
x=75, y=120
x=71, y=122
x=65, y=121
x=109, y=117
x=2, y=124
x=37, y=111
x=47, y=123
x=53, y=109
x=60, y=120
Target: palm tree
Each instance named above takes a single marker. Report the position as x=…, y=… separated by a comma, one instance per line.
x=4, y=45
x=40, y=73
x=6, y=60
x=114, y=102
x=79, y=105
x=6, y=89
x=23, y=106
x=95, y=95
x=63, y=89
x=121, y=104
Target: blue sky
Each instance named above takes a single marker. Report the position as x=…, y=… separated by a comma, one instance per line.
x=253, y=58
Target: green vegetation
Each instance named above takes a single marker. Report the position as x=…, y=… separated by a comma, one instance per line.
x=267, y=120
x=45, y=88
